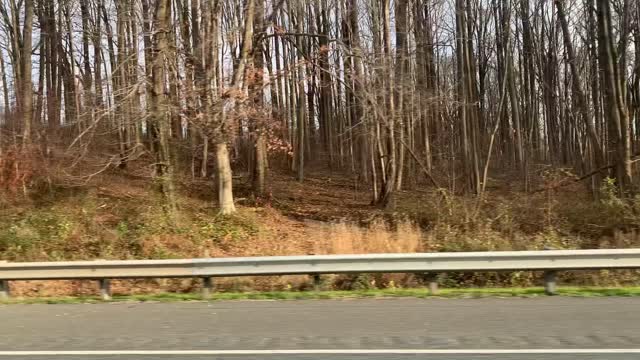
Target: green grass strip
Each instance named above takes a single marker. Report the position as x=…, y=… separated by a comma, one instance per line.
x=354, y=294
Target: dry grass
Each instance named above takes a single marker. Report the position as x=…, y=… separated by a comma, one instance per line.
x=276, y=235
x=377, y=237
x=125, y=222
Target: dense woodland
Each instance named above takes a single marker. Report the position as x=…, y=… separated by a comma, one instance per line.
x=439, y=94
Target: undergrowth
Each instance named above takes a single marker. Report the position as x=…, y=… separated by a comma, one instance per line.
x=90, y=226
x=95, y=223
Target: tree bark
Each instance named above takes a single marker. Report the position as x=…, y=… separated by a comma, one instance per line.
x=225, y=180
x=581, y=98
x=616, y=110
x=301, y=103
x=259, y=168
x=27, y=87
x=159, y=107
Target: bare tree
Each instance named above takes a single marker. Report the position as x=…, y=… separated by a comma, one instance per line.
x=159, y=106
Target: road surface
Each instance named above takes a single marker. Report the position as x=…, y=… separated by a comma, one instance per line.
x=441, y=329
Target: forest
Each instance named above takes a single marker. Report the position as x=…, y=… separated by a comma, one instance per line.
x=392, y=92
x=515, y=117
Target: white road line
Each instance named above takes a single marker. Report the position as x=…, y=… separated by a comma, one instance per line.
x=320, y=352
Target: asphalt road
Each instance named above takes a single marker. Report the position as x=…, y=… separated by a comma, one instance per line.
x=402, y=324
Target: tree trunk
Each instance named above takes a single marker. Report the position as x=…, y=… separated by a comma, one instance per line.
x=302, y=111
x=259, y=168
x=401, y=84
x=616, y=110
x=159, y=107
x=225, y=180
x=581, y=98
x=388, y=153
x=27, y=87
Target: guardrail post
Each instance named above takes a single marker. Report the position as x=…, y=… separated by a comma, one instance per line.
x=105, y=289
x=432, y=278
x=317, y=282
x=4, y=290
x=550, y=282
x=207, y=287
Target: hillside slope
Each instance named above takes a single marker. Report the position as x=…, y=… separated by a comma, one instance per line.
x=117, y=216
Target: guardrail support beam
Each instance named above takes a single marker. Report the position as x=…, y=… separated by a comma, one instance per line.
x=105, y=289
x=317, y=282
x=433, y=283
x=550, y=282
x=207, y=287
x=4, y=290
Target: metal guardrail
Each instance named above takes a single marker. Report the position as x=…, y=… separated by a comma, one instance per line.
x=549, y=261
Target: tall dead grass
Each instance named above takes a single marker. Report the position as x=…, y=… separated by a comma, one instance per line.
x=378, y=237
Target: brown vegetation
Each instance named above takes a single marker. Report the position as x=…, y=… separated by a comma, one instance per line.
x=124, y=220
x=190, y=128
